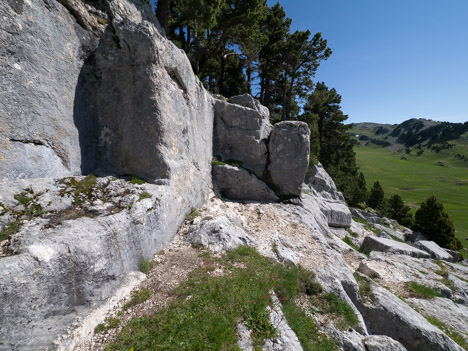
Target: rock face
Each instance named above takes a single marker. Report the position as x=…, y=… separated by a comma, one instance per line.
x=80, y=107
x=434, y=250
x=331, y=203
x=219, y=235
x=118, y=98
x=289, y=150
x=241, y=134
x=238, y=184
x=277, y=156
x=390, y=246
x=388, y=315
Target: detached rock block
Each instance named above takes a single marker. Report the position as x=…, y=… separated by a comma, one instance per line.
x=289, y=149
x=241, y=134
x=434, y=250
x=238, y=184
x=372, y=243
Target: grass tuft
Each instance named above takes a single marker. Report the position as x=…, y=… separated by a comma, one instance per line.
x=146, y=266
x=137, y=298
x=424, y=291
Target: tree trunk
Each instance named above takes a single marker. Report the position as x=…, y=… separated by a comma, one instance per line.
x=162, y=14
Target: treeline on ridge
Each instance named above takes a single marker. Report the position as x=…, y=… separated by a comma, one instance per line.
x=247, y=46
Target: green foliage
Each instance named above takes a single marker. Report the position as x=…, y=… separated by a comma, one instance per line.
x=376, y=197
x=146, y=266
x=400, y=212
x=342, y=312
x=137, y=298
x=353, y=234
x=423, y=291
x=194, y=213
x=431, y=220
x=144, y=195
x=101, y=327
x=348, y=241
x=365, y=288
x=23, y=198
x=216, y=161
x=137, y=181
x=206, y=308
x=330, y=142
x=10, y=229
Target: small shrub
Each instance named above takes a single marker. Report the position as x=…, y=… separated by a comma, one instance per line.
x=100, y=328
x=136, y=180
x=217, y=161
x=22, y=198
x=144, y=195
x=146, y=266
x=423, y=291
x=137, y=298
x=10, y=229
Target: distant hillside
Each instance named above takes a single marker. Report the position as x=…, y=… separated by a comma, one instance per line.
x=415, y=132
x=416, y=159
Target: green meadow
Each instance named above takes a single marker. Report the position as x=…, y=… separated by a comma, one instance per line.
x=415, y=178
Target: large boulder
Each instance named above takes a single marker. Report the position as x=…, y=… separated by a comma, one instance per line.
x=372, y=243
x=434, y=250
x=218, y=234
x=289, y=150
x=238, y=184
x=241, y=134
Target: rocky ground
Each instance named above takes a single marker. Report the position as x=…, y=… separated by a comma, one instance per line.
x=392, y=313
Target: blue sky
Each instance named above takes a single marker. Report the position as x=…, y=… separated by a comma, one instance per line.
x=392, y=59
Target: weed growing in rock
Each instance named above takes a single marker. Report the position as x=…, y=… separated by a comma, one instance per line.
x=341, y=311
x=216, y=161
x=194, y=213
x=23, y=198
x=206, y=309
x=423, y=291
x=137, y=298
x=146, y=266
x=144, y=195
x=365, y=288
x=348, y=241
x=136, y=181
x=458, y=338
x=353, y=234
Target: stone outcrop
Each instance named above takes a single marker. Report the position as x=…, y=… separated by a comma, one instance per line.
x=238, y=184
x=390, y=246
x=434, y=250
x=289, y=150
x=218, y=234
x=386, y=314
x=277, y=156
x=332, y=205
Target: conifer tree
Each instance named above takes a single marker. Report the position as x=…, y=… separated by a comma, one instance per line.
x=434, y=223
x=400, y=212
x=376, y=196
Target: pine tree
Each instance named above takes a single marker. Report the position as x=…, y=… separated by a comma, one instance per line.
x=336, y=148
x=399, y=211
x=376, y=197
x=434, y=223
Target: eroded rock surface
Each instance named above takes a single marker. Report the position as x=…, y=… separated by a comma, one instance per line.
x=390, y=246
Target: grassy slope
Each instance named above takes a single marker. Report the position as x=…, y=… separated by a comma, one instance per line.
x=419, y=177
